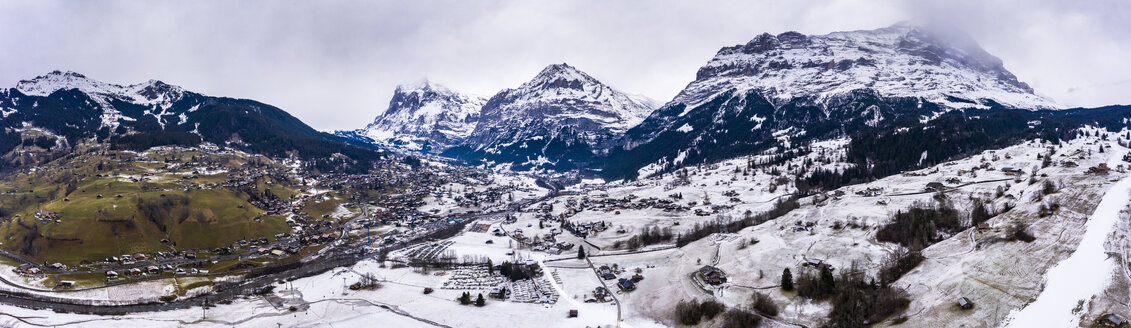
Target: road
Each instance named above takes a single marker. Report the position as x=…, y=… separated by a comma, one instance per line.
x=611, y=293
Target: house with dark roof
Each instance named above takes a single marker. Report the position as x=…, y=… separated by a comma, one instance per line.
x=626, y=284
x=712, y=275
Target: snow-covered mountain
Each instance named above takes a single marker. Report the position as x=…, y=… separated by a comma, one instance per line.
x=903, y=60
x=155, y=94
x=70, y=108
x=559, y=119
x=780, y=91
x=424, y=116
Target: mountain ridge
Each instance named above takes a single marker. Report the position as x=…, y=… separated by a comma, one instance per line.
x=70, y=108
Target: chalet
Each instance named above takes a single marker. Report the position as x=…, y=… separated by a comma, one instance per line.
x=65, y=284
x=1111, y=320
x=965, y=304
x=871, y=192
x=984, y=226
x=573, y=313
x=134, y=272
x=712, y=275
x=626, y=284
x=34, y=270
x=139, y=257
x=152, y=269
x=1011, y=171
x=608, y=276
x=934, y=186
x=1099, y=169
x=58, y=266
x=600, y=292
x=190, y=254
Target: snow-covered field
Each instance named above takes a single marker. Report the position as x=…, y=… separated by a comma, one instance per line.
x=1085, y=273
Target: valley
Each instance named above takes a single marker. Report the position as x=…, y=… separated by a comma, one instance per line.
x=898, y=176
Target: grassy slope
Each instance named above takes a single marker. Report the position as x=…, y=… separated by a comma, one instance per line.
x=92, y=228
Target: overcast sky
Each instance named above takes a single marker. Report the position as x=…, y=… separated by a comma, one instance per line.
x=334, y=64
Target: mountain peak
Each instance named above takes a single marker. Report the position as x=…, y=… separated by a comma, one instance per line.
x=421, y=84
x=44, y=85
x=424, y=116
x=908, y=59
x=147, y=93
x=560, y=76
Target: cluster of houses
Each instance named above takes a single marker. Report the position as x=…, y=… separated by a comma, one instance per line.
x=151, y=270
x=47, y=216
x=27, y=270
x=607, y=204
x=583, y=230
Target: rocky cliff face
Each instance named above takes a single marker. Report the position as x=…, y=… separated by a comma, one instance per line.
x=424, y=116
x=561, y=119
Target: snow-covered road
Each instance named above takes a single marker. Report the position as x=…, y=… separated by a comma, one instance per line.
x=1083, y=274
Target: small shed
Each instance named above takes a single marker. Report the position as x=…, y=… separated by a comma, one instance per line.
x=965, y=304
x=573, y=313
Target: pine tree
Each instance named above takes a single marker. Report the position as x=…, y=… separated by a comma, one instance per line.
x=480, y=301
x=465, y=299
x=786, y=280
x=828, y=285
x=490, y=267
x=580, y=252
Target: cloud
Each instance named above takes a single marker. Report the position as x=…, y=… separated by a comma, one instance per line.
x=334, y=64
